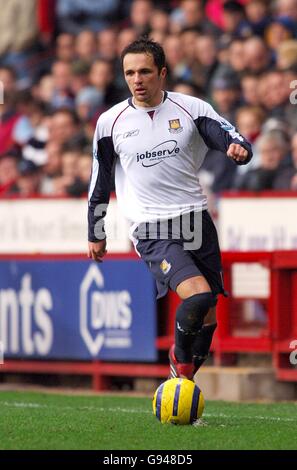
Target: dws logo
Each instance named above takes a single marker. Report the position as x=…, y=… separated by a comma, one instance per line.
x=105, y=317
x=158, y=153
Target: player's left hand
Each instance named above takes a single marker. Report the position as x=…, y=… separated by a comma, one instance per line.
x=97, y=250
x=237, y=152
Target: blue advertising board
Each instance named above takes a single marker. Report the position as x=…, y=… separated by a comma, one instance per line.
x=73, y=309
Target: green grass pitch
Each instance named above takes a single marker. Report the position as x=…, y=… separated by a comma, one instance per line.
x=31, y=420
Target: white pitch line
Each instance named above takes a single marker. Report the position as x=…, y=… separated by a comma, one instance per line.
x=262, y=418
x=134, y=410
x=72, y=408
x=21, y=405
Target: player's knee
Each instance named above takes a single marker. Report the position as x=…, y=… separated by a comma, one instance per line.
x=211, y=316
x=191, y=313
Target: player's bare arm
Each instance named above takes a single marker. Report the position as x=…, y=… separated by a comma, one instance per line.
x=237, y=152
x=97, y=250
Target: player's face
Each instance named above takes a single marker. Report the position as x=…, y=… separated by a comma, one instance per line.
x=144, y=79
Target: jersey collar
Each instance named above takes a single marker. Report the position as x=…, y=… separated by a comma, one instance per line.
x=130, y=102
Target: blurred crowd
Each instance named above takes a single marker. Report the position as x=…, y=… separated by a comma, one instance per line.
x=60, y=69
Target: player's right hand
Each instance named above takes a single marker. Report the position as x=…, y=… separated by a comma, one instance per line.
x=97, y=250
x=237, y=152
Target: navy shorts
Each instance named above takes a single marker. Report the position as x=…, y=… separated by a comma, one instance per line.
x=171, y=264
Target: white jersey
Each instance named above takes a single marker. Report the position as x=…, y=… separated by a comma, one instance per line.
x=158, y=154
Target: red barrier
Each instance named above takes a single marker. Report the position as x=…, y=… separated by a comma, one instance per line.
x=226, y=341
x=272, y=335
x=284, y=307
x=272, y=329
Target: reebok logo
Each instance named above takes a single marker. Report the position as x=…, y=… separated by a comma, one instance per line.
x=133, y=133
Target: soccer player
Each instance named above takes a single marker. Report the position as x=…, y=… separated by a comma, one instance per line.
x=158, y=140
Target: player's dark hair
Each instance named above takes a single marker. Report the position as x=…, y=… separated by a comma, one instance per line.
x=147, y=46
